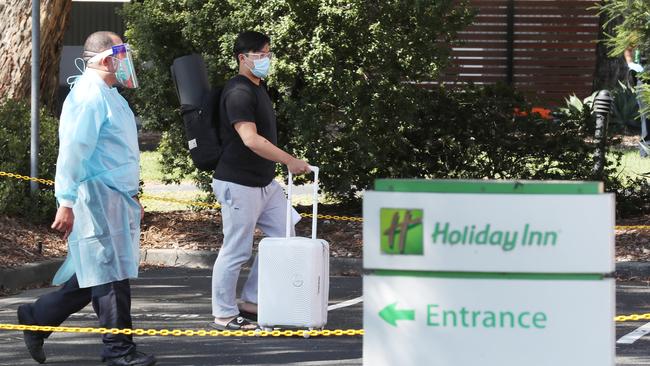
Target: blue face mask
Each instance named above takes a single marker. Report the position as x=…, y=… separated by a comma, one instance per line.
x=261, y=67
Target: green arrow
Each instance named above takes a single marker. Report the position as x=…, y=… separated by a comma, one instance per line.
x=391, y=315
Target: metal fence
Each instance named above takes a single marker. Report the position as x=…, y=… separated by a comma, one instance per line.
x=544, y=48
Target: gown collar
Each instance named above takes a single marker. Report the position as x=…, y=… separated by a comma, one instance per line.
x=94, y=77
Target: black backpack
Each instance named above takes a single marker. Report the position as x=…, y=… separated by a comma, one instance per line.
x=202, y=130
x=199, y=109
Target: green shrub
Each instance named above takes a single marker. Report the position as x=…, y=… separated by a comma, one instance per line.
x=15, y=197
x=340, y=68
x=441, y=133
x=632, y=196
x=633, y=31
x=624, y=114
x=347, y=86
x=625, y=108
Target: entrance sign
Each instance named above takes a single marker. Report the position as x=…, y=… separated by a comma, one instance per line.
x=505, y=322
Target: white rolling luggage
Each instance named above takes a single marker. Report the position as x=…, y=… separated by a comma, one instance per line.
x=293, y=276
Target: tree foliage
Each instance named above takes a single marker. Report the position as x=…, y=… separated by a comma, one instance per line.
x=344, y=72
x=15, y=58
x=349, y=85
x=15, y=197
x=632, y=31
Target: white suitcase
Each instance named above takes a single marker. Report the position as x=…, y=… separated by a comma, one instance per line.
x=293, y=276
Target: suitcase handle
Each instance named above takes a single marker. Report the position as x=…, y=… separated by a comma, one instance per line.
x=314, y=169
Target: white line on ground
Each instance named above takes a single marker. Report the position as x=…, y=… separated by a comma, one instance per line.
x=88, y=315
x=345, y=303
x=635, y=334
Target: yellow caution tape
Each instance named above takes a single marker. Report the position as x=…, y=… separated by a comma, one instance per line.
x=216, y=206
x=632, y=317
x=26, y=178
x=632, y=227
x=335, y=218
x=145, y=197
x=227, y=333
x=189, y=332
x=182, y=202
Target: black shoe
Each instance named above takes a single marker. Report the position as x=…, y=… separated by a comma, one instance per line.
x=134, y=358
x=33, y=340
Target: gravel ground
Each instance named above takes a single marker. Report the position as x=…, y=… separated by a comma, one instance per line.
x=23, y=242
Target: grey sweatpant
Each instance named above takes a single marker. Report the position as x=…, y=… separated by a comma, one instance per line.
x=242, y=209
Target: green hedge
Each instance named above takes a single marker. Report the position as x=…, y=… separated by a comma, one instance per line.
x=349, y=85
x=338, y=66
x=632, y=30
x=15, y=137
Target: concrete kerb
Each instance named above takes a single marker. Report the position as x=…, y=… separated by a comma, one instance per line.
x=205, y=259
x=632, y=269
x=29, y=275
x=34, y=274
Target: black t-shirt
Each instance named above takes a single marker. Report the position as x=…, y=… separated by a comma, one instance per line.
x=242, y=100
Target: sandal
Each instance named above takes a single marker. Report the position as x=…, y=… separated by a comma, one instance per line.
x=248, y=310
x=237, y=323
x=248, y=315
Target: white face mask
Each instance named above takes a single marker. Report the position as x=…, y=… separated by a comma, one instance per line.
x=261, y=66
x=81, y=66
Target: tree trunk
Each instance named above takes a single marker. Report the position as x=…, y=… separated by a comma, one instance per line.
x=609, y=70
x=16, y=47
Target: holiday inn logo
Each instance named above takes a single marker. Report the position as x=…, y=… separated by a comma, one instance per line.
x=489, y=235
x=401, y=231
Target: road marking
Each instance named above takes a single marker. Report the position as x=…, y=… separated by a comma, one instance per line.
x=143, y=315
x=635, y=334
x=345, y=303
x=85, y=315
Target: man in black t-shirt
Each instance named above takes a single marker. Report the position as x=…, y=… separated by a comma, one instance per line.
x=244, y=179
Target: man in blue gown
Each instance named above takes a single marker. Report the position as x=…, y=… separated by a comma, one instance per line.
x=96, y=184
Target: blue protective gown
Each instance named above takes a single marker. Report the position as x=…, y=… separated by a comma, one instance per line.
x=98, y=169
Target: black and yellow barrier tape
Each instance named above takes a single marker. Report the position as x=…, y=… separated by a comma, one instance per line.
x=632, y=317
x=228, y=333
x=145, y=197
x=216, y=206
x=189, y=332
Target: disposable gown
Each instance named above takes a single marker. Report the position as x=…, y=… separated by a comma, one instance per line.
x=98, y=169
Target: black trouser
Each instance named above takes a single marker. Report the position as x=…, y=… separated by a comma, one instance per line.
x=112, y=304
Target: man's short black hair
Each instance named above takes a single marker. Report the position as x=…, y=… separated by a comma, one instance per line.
x=98, y=42
x=249, y=41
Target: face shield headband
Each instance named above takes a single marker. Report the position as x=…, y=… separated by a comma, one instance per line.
x=124, y=67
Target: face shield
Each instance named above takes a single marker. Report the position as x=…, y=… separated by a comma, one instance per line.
x=122, y=64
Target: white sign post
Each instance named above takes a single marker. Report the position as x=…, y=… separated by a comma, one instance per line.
x=488, y=279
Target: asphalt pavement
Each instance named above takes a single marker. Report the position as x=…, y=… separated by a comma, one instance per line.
x=632, y=298
x=179, y=298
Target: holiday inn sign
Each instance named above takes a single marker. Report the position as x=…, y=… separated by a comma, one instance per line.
x=404, y=235
x=531, y=233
